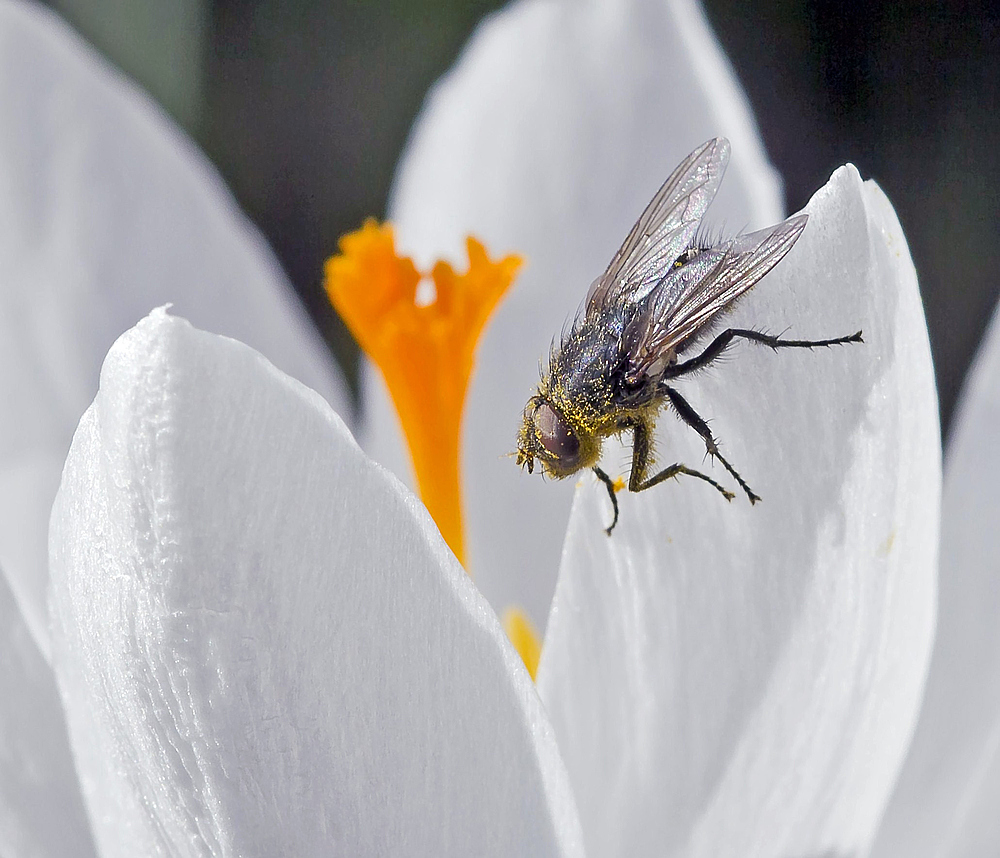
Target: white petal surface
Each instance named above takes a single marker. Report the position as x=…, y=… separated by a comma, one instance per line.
x=106, y=210
x=949, y=791
x=548, y=138
x=264, y=646
x=728, y=680
x=41, y=809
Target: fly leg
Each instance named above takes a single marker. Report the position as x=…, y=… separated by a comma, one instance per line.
x=719, y=344
x=610, y=486
x=696, y=422
x=639, y=482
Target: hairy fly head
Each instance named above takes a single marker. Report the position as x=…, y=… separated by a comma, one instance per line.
x=546, y=435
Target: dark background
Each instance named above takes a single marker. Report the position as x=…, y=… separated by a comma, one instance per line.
x=305, y=105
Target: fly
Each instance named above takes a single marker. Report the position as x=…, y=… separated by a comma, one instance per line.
x=613, y=371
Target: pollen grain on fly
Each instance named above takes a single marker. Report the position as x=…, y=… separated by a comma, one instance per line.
x=424, y=350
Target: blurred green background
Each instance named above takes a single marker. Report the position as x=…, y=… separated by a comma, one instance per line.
x=304, y=106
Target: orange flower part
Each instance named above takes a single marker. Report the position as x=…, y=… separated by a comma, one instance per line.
x=523, y=635
x=425, y=352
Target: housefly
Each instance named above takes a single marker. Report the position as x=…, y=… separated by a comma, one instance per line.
x=614, y=368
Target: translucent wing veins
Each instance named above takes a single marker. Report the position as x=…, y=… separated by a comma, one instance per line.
x=664, y=229
x=686, y=299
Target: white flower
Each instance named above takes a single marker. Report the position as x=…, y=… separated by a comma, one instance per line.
x=299, y=664
x=107, y=211
x=548, y=139
x=949, y=789
x=263, y=646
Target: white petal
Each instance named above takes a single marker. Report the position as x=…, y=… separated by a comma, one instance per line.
x=41, y=809
x=728, y=680
x=949, y=789
x=548, y=139
x=106, y=210
x=264, y=646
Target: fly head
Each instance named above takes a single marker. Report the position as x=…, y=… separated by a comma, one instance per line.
x=546, y=435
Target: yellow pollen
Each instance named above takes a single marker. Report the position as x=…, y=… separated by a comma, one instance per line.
x=424, y=351
x=618, y=484
x=522, y=634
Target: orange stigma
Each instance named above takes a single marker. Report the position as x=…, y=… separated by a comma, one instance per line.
x=423, y=350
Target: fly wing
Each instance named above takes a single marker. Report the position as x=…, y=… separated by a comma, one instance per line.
x=689, y=297
x=664, y=229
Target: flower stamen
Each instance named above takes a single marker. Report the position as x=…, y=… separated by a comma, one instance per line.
x=523, y=635
x=424, y=350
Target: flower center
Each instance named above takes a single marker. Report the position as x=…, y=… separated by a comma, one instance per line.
x=423, y=348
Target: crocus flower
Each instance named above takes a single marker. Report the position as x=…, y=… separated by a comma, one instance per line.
x=948, y=791
x=108, y=211
x=488, y=156
x=263, y=646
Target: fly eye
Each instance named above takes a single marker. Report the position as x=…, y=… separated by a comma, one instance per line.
x=556, y=437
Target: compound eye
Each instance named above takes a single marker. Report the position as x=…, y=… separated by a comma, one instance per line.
x=555, y=435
